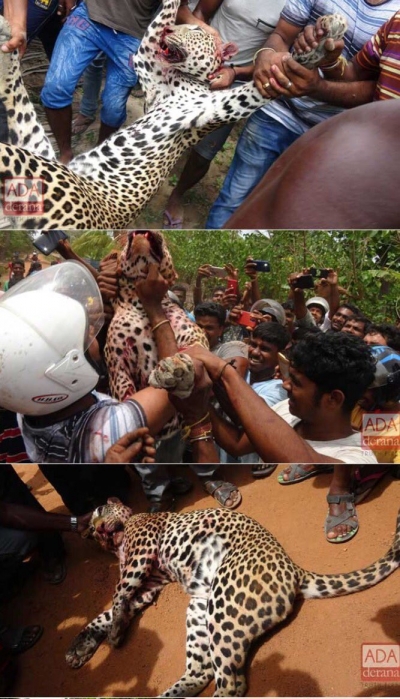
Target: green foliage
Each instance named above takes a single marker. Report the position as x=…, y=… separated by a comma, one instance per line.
x=92, y=244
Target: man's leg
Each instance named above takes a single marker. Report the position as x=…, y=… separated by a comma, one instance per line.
x=75, y=48
x=261, y=142
x=196, y=167
x=225, y=493
x=120, y=78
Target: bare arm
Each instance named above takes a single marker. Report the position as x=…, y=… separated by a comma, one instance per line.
x=27, y=518
x=201, y=15
x=15, y=12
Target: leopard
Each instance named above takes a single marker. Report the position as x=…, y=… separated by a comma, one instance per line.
x=107, y=187
x=130, y=350
x=240, y=580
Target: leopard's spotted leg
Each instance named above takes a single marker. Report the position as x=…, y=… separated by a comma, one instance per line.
x=26, y=132
x=148, y=69
x=256, y=609
x=90, y=638
x=199, y=672
x=136, y=577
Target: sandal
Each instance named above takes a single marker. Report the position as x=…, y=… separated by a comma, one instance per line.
x=18, y=639
x=304, y=474
x=81, y=123
x=333, y=520
x=262, y=470
x=362, y=485
x=54, y=570
x=223, y=491
x=177, y=486
x=171, y=223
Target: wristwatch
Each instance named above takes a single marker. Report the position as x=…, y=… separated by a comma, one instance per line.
x=74, y=523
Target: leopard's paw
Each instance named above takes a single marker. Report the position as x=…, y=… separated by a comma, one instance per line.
x=83, y=648
x=176, y=374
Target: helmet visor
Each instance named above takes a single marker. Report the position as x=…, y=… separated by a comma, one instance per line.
x=71, y=279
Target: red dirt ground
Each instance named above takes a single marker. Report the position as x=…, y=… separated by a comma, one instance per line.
x=317, y=652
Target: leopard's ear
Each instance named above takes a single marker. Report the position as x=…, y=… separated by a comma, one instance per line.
x=228, y=50
x=114, y=501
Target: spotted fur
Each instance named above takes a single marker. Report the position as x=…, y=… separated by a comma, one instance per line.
x=130, y=351
x=240, y=580
x=108, y=186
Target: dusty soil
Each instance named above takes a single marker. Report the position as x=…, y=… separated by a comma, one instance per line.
x=197, y=201
x=316, y=652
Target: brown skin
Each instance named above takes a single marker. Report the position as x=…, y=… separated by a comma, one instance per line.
x=15, y=12
x=340, y=318
x=354, y=327
x=326, y=176
x=29, y=519
x=132, y=447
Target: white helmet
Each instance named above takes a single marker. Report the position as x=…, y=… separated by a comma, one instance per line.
x=318, y=301
x=47, y=323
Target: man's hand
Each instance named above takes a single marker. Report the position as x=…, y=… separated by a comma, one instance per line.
x=134, y=446
x=83, y=523
x=204, y=272
x=250, y=269
x=212, y=363
x=107, y=280
x=234, y=314
x=310, y=37
x=65, y=7
x=294, y=80
x=262, y=71
x=222, y=78
x=152, y=290
x=196, y=405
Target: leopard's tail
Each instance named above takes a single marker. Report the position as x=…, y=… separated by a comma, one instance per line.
x=313, y=585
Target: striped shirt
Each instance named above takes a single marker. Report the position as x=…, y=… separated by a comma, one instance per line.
x=85, y=437
x=381, y=57
x=363, y=21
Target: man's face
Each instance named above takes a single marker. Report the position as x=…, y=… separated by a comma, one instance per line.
x=340, y=317
x=375, y=338
x=181, y=295
x=303, y=396
x=317, y=313
x=289, y=316
x=211, y=327
x=354, y=327
x=218, y=296
x=263, y=358
x=18, y=270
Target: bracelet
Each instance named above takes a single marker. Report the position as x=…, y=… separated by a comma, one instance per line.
x=231, y=363
x=264, y=48
x=341, y=61
x=198, y=421
x=73, y=523
x=234, y=70
x=205, y=438
x=201, y=429
x=160, y=323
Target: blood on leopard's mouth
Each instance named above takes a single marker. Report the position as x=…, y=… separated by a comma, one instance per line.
x=168, y=51
x=155, y=243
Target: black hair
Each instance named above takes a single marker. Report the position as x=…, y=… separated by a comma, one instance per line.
x=209, y=308
x=336, y=361
x=288, y=305
x=274, y=333
x=179, y=287
x=219, y=288
x=354, y=309
x=389, y=332
x=35, y=267
x=360, y=318
x=301, y=331
x=18, y=262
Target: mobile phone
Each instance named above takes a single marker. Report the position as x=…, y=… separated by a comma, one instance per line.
x=284, y=365
x=262, y=265
x=245, y=320
x=220, y=272
x=47, y=242
x=306, y=281
x=232, y=285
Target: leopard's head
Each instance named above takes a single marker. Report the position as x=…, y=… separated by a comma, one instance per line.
x=107, y=524
x=143, y=248
x=190, y=49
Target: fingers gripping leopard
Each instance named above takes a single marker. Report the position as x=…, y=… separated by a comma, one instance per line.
x=240, y=580
x=108, y=186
